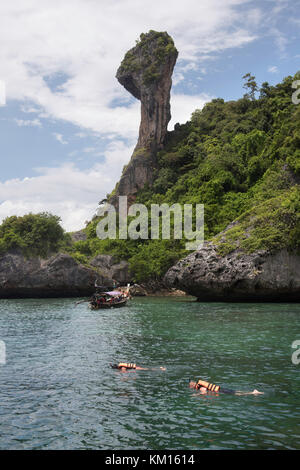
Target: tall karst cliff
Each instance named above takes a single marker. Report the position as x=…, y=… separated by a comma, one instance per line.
x=146, y=72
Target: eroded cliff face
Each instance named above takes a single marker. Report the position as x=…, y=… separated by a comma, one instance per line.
x=146, y=72
x=57, y=276
x=237, y=277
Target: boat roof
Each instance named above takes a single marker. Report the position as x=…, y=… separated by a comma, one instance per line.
x=113, y=292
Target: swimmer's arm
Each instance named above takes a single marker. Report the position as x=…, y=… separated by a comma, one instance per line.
x=147, y=368
x=255, y=392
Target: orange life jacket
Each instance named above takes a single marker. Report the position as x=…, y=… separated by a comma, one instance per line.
x=210, y=387
x=127, y=365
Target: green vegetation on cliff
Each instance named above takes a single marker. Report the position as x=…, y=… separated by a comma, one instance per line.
x=241, y=159
x=231, y=156
x=147, y=56
x=33, y=234
x=271, y=225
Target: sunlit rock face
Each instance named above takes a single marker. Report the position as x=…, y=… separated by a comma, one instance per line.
x=146, y=72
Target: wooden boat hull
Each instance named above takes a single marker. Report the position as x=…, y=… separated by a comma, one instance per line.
x=119, y=304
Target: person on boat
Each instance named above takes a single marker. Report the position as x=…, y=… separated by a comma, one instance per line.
x=93, y=300
x=100, y=300
x=128, y=366
x=205, y=387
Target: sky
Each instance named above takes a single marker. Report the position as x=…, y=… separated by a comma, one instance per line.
x=67, y=127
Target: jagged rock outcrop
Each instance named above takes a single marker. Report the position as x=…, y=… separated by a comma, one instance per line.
x=237, y=276
x=146, y=72
x=137, y=291
x=79, y=236
x=111, y=268
x=256, y=258
x=58, y=276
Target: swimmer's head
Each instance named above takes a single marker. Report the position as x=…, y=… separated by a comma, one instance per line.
x=114, y=366
x=194, y=384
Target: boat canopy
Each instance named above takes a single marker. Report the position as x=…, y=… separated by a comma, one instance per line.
x=113, y=292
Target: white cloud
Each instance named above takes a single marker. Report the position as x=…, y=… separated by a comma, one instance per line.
x=2, y=93
x=177, y=77
x=81, y=135
x=89, y=149
x=66, y=191
x=184, y=105
x=281, y=41
x=72, y=193
x=28, y=122
x=60, y=138
x=25, y=108
x=273, y=69
x=84, y=41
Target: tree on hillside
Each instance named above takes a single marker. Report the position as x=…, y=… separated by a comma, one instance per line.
x=250, y=85
x=36, y=234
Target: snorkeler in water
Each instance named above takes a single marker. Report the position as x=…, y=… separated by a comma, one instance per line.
x=128, y=366
x=204, y=387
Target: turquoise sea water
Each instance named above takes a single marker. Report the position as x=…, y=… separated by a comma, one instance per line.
x=58, y=392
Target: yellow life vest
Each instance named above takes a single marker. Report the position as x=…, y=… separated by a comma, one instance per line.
x=210, y=387
x=127, y=365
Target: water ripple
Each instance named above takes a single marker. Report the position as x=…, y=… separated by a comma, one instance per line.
x=58, y=392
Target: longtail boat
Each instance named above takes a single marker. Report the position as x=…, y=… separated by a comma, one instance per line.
x=112, y=299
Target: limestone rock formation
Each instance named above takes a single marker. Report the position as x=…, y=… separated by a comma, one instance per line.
x=146, y=72
x=137, y=291
x=80, y=235
x=58, y=276
x=111, y=268
x=237, y=276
